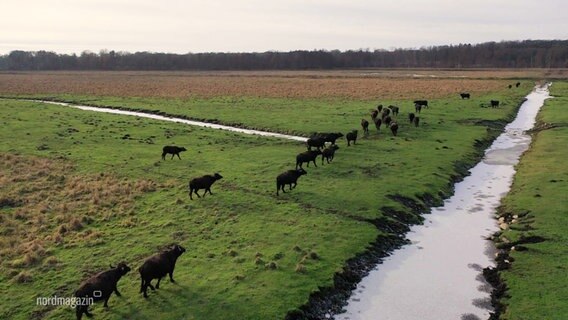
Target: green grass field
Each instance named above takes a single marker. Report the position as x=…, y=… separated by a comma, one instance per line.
x=538, y=277
x=80, y=190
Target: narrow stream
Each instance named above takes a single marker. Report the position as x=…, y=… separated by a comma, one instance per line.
x=438, y=276
x=179, y=120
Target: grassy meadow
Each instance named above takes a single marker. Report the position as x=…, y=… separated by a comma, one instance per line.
x=81, y=190
x=538, y=274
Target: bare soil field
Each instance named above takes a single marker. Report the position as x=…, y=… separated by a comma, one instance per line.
x=348, y=84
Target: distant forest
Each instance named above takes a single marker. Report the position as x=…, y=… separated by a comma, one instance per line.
x=506, y=54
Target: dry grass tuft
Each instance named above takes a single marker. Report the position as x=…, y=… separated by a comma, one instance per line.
x=49, y=206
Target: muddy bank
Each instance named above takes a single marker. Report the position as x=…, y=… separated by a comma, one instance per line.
x=393, y=226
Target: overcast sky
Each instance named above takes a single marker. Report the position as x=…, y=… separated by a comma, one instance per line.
x=181, y=26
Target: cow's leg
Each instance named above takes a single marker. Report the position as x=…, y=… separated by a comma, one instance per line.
x=171, y=273
x=158, y=284
x=178, y=156
x=173, y=154
x=116, y=291
x=190, y=194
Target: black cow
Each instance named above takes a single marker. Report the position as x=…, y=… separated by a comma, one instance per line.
x=331, y=137
x=99, y=287
x=380, y=107
x=418, y=108
x=423, y=103
x=203, y=182
x=494, y=103
x=317, y=142
x=290, y=178
x=517, y=84
x=308, y=156
x=387, y=120
x=351, y=136
x=510, y=86
x=416, y=121
x=365, y=126
x=378, y=123
x=411, y=117
x=464, y=95
x=328, y=153
x=385, y=113
x=394, y=128
x=374, y=114
x=158, y=266
x=394, y=110
x=173, y=150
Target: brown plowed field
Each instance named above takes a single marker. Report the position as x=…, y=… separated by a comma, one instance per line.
x=286, y=84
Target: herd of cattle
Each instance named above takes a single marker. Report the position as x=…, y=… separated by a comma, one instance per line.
x=102, y=285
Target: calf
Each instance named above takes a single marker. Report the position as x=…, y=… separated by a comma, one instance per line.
x=365, y=125
x=204, y=182
x=380, y=107
x=317, y=142
x=416, y=121
x=387, y=120
x=351, y=136
x=494, y=103
x=173, y=150
x=411, y=117
x=378, y=123
x=158, y=266
x=308, y=156
x=290, y=178
x=394, y=128
x=329, y=153
x=99, y=287
x=464, y=95
x=386, y=112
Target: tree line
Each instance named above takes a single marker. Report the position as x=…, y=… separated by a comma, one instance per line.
x=505, y=54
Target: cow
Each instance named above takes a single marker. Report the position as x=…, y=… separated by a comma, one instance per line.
x=380, y=107
x=204, y=182
x=365, y=125
x=494, y=103
x=418, y=108
x=99, y=287
x=378, y=123
x=423, y=103
x=394, y=128
x=351, y=136
x=510, y=86
x=332, y=137
x=465, y=95
x=173, y=150
x=411, y=117
x=307, y=157
x=517, y=84
x=374, y=114
x=329, y=153
x=416, y=121
x=317, y=142
x=394, y=110
x=387, y=120
x=290, y=178
x=158, y=266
